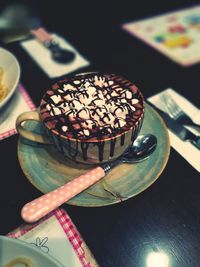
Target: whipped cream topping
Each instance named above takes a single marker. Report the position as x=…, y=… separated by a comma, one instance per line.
x=91, y=106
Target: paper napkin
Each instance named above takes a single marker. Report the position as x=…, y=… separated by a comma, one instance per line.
x=42, y=56
x=19, y=103
x=57, y=236
x=186, y=149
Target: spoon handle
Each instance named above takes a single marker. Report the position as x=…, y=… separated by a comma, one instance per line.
x=42, y=35
x=39, y=207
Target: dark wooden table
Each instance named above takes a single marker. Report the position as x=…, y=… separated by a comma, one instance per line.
x=166, y=216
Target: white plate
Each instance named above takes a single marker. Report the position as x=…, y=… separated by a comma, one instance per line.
x=12, y=72
x=11, y=249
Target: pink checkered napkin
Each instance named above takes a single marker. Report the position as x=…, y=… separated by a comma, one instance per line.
x=83, y=253
x=19, y=103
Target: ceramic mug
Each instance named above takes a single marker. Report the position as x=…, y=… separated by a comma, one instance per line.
x=80, y=125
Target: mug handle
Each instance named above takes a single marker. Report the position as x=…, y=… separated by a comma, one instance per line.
x=35, y=137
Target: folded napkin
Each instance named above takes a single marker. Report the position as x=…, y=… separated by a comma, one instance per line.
x=57, y=236
x=19, y=103
x=42, y=57
x=186, y=149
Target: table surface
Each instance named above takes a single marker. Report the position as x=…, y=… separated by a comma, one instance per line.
x=166, y=216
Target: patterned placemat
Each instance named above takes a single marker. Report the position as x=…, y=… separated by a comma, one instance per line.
x=19, y=103
x=57, y=235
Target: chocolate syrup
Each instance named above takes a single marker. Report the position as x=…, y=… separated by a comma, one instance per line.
x=112, y=147
x=122, y=139
x=101, y=150
x=84, y=147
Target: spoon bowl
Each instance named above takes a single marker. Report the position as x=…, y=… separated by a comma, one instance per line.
x=59, y=54
x=140, y=149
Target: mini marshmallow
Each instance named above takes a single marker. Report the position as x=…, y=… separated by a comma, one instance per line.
x=56, y=98
x=68, y=86
x=64, y=128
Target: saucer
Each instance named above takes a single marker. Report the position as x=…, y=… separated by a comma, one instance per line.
x=48, y=169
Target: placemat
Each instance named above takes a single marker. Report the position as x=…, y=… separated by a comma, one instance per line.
x=19, y=103
x=42, y=57
x=174, y=34
x=187, y=150
x=57, y=235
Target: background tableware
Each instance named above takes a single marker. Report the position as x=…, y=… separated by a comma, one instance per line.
x=11, y=76
x=47, y=169
x=140, y=150
x=42, y=57
x=12, y=248
x=58, y=54
x=91, y=150
x=185, y=149
x=176, y=112
x=182, y=132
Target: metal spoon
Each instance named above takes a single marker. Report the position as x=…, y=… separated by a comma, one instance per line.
x=58, y=54
x=140, y=150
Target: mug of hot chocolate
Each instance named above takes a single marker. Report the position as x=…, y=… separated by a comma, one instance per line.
x=90, y=117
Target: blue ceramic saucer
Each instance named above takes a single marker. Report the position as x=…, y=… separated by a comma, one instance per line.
x=48, y=169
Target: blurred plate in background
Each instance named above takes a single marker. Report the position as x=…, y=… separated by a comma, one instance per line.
x=11, y=74
x=27, y=255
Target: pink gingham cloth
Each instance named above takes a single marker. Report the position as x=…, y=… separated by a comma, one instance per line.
x=78, y=244
x=19, y=103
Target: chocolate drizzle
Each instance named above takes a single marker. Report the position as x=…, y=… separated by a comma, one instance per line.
x=101, y=150
x=69, y=146
x=112, y=147
x=73, y=151
x=84, y=147
x=122, y=139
